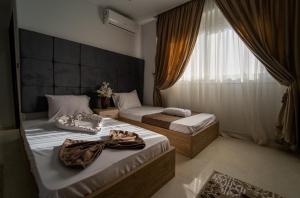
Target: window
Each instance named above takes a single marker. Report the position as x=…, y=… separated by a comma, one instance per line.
x=224, y=77
x=220, y=55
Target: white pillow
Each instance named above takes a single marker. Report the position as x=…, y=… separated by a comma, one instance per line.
x=67, y=105
x=177, y=112
x=126, y=100
x=116, y=96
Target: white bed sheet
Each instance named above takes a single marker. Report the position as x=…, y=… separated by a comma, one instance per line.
x=187, y=125
x=54, y=180
x=194, y=123
x=137, y=113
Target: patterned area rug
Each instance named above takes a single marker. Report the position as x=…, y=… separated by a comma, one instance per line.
x=223, y=186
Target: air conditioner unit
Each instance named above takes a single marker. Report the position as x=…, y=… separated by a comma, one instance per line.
x=113, y=18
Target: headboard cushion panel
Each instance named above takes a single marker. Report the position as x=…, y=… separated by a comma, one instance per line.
x=33, y=98
x=66, y=51
x=66, y=75
x=51, y=65
x=37, y=72
x=35, y=45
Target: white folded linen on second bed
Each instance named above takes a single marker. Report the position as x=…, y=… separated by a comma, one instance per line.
x=42, y=141
x=194, y=123
x=187, y=125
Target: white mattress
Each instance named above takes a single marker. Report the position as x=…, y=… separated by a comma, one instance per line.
x=42, y=140
x=194, y=123
x=187, y=125
x=137, y=113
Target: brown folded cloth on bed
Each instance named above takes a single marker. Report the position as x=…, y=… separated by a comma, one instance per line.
x=80, y=154
x=124, y=140
x=161, y=120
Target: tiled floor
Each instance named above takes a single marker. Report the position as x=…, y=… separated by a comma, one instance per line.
x=268, y=168
x=264, y=167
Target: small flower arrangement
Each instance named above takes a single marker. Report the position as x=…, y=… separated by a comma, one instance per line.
x=105, y=90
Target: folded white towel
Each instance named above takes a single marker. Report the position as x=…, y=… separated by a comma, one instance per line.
x=80, y=122
x=177, y=112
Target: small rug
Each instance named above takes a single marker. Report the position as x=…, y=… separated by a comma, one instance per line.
x=223, y=186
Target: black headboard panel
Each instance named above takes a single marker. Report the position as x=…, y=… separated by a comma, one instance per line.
x=51, y=65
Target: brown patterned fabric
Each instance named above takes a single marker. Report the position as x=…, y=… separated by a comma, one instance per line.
x=80, y=154
x=177, y=32
x=221, y=185
x=271, y=29
x=125, y=140
x=160, y=120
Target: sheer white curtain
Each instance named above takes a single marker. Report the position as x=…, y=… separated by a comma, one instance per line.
x=224, y=77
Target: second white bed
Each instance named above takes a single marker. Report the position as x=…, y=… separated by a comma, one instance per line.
x=187, y=125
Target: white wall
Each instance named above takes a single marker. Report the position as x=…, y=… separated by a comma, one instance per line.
x=148, y=53
x=76, y=20
x=80, y=21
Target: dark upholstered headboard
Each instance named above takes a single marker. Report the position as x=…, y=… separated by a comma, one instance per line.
x=51, y=65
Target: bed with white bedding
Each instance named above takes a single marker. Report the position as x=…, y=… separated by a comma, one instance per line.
x=187, y=125
x=189, y=135
x=42, y=140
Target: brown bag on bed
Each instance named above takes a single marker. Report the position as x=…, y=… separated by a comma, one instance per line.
x=80, y=154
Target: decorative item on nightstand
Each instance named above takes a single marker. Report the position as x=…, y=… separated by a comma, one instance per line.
x=105, y=93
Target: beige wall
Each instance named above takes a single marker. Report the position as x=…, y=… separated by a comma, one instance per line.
x=76, y=20
x=148, y=53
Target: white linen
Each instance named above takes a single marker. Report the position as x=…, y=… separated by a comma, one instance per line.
x=129, y=100
x=192, y=124
x=80, y=122
x=177, y=112
x=225, y=78
x=42, y=141
x=137, y=113
x=67, y=105
x=188, y=125
x=126, y=100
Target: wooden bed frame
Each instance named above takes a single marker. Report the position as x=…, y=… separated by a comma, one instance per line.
x=143, y=182
x=185, y=144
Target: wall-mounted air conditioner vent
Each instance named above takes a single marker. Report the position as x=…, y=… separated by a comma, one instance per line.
x=113, y=18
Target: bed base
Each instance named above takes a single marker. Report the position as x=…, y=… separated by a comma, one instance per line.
x=185, y=144
x=142, y=182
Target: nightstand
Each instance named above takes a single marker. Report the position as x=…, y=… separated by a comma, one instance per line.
x=110, y=112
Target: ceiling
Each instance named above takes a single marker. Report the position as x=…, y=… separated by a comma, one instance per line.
x=141, y=11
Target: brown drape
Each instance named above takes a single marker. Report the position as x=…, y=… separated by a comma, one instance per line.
x=177, y=32
x=271, y=29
